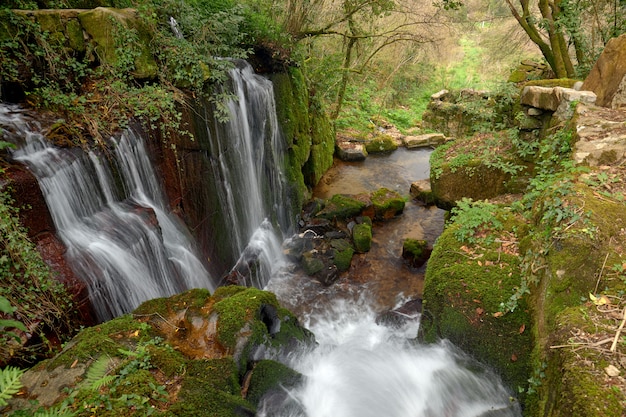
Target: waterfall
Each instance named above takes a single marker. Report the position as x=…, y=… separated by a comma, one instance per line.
x=362, y=369
x=247, y=158
x=121, y=238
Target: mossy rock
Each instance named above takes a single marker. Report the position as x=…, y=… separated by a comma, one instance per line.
x=104, y=339
x=164, y=306
x=362, y=237
x=464, y=290
x=458, y=172
x=268, y=376
x=211, y=388
x=517, y=76
x=574, y=382
x=323, y=143
x=311, y=264
x=292, y=107
x=416, y=251
x=387, y=203
x=104, y=25
x=341, y=206
x=381, y=144
x=343, y=258
x=553, y=82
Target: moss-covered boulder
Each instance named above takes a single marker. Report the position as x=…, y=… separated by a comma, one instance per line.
x=479, y=167
x=192, y=354
x=468, y=282
x=416, y=251
x=387, y=203
x=362, y=237
x=381, y=143
x=342, y=254
x=271, y=377
x=341, y=206
x=120, y=38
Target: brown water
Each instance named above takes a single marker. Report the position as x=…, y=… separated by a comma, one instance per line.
x=381, y=274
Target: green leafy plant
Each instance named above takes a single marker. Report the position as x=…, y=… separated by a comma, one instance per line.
x=10, y=383
x=29, y=291
x=473, y=216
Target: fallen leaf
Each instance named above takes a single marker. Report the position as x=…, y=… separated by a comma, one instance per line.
x=480, y=311
x=611, y=371
x=498, y=314
x=522, y=328
x=74, y=363
x=514, y=358
x=480, y=263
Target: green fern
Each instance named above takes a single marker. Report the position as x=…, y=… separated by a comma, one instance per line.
x=97, y=377
x=10, y=383
x=55, y=412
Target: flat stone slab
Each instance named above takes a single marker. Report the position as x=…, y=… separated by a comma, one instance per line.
x=422, y=141
x=351, y=151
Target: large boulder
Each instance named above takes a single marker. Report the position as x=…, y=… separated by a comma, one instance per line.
x=106, y=28
x=608, y=74
x=468, y=280
x=192, y=354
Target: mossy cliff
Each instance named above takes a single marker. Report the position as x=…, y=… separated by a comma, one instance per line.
x=308, y=132
x=189, y=355
x=532, y=284
x=109, y=65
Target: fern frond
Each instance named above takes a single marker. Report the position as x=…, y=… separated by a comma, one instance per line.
x=96, y=376
x=10, y=383
x=56, y=412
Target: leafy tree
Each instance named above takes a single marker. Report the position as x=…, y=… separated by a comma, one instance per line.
x=569, y=33
x=360, y=29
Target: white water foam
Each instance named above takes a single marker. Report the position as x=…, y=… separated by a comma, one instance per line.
x=362, y=369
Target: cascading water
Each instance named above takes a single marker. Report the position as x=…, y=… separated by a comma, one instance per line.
x=363, y=369
x=247, y=156
x=130, y=249
x=123, y=242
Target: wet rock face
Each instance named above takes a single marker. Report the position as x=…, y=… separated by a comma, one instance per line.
x=35, y=217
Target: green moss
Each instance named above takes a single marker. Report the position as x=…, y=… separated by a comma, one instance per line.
x=103, y=339
x=311, y=264
x=414, y=247
x=343, y=258
x=323, y=143
x=362, y=237
x=137, y=383
x=341, y=206
x=553, y=82
x=239, y=310
x=268, y=375
x=171, y=362
x=104, y=24
x=463, y=293
x=387, y=203
x=517, y=76
x=194, y=299
x=381, y=144
x=572, y=386
x=210, y=388
x=292, y=106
